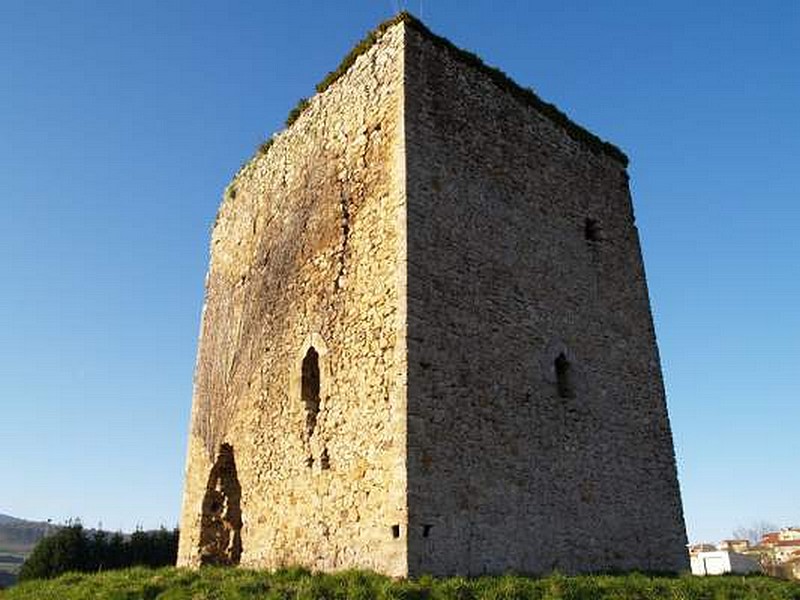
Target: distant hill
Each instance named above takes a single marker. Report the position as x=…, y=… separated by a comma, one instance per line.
x=18, y=536
x=17, y=539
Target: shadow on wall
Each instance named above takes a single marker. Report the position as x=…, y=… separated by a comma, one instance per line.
x=221, y=523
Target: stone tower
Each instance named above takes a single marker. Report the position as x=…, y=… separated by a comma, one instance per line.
x=427, y=345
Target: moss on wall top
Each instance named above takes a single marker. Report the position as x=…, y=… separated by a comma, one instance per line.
x=525, y=95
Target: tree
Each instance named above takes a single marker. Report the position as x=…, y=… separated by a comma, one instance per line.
x=73, y=549
x=754, y=532
x=66, y=550
x=117, y=552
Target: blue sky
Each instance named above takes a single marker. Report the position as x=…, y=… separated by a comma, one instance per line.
x=121, y=123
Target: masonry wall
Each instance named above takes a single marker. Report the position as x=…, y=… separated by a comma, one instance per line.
x=308, y=251
x=503, y=472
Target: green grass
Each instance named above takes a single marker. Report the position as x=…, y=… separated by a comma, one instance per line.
x=300, y=584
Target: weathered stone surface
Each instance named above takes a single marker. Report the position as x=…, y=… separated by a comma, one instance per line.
x=427, y=340
x=502, y=280
x=307, y=252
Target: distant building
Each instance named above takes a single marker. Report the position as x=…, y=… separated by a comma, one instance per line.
x=734, y=545
x=783, y=545
x=777, y=551
x=769, y=538
x=695, y=549
x=785, y=534
x=720, y=562
x=793, y=567
x=789, y=534
x=785, y=550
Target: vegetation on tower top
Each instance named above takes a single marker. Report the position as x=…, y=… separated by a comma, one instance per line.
x=525, y=95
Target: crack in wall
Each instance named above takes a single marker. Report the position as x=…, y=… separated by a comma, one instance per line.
x=343, y=200
x=345, y=222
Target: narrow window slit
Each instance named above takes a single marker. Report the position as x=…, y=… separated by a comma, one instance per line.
x=325, y=460
x=310, y=389
x=395, y=531
x=591, y=230
x=564, y=376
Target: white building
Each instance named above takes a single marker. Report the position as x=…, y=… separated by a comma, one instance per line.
x=721, y=561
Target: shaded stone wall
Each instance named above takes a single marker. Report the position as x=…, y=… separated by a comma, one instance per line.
x=522, y=252
x=308, y=252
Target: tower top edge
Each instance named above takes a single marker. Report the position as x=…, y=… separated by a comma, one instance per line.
x=524, y=95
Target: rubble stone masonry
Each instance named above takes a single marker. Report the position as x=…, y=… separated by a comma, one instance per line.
x=427, y=345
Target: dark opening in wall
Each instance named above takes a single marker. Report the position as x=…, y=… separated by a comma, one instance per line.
x=564, y=376
x=325, y=460
x=395, y=531
x=591, y=230
x=221, y=519
x=426, y=530
x=310, y=389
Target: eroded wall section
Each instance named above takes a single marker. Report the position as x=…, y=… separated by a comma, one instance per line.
x=301, y=363
x=537, y=427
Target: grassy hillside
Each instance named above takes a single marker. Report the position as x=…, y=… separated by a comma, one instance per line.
x=239, y=584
